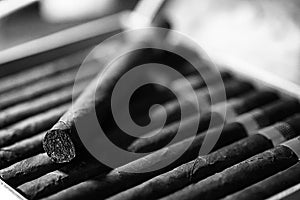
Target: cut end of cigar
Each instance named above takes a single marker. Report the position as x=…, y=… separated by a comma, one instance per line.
x=59, y=146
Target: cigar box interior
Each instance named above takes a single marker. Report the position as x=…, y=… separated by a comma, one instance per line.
x=257, y=43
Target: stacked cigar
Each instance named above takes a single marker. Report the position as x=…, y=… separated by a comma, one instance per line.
x=41, y=156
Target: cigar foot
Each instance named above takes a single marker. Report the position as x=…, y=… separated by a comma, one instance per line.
x=59, y=146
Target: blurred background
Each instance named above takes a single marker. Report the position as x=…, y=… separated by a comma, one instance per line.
x=262, y=33
x=45, y=17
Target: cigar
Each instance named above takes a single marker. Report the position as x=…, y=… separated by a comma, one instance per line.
x=31, y=75
x=61, y=142
x=32, y=145
x=21, y=150
x=172, y=109
x=145, y=97
x=28, y=169
x=207, y=165
x=21, y=111
x=234, y=108
x=148, y=95
x=143, y=104
x=290, y=193
x=31, y=126
x=159, y=95
x=45, y=86
x=119, y=179
x=270, y=186
x=198, y=82
x=62, y=178
x=254, y=169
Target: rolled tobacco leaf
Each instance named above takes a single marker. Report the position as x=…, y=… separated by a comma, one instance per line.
x=21, y=150
x=235, y=107
x=120, y=179
x=31, y=126
x=31, y=75
x=207, y=165
x=71, y=174
x=270, y=186
x=232, y=88
x=44, y=86
x=253, y=170
x=21, y=111
x=28, y=169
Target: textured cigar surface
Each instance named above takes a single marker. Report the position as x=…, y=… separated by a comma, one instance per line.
x=28, y=169
x=38, y=105
x=270, y=186
x=62, y=178
x=269, y=114
x=207, y=165
x=31, y=126
x=232, y=88
x=232, y=179
x=201, y=167
x=98, y=187
x=21, y=150
x=162, y=138
x=43, y=86
x=36, y=73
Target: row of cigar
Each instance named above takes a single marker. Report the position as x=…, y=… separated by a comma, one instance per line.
x=256, y=155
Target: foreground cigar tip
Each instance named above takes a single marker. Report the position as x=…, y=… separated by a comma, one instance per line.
x=58, y=146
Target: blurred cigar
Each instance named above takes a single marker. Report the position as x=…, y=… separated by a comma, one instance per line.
x=207, y=165
x=21, y=150
x=45, y=86
x=234, y=108
x=31, y=75
x=32, y=145
x=270, y=186
x=21, y=111
x=161, y=95
x=173, y=109
x=28, y=169
x=119, y=180
x=31, y=125
x=198, y=82
x=253, y=170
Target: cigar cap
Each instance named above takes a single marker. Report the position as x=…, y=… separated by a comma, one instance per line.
x=59, y=146
x=281, y=109
x=252, y=100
